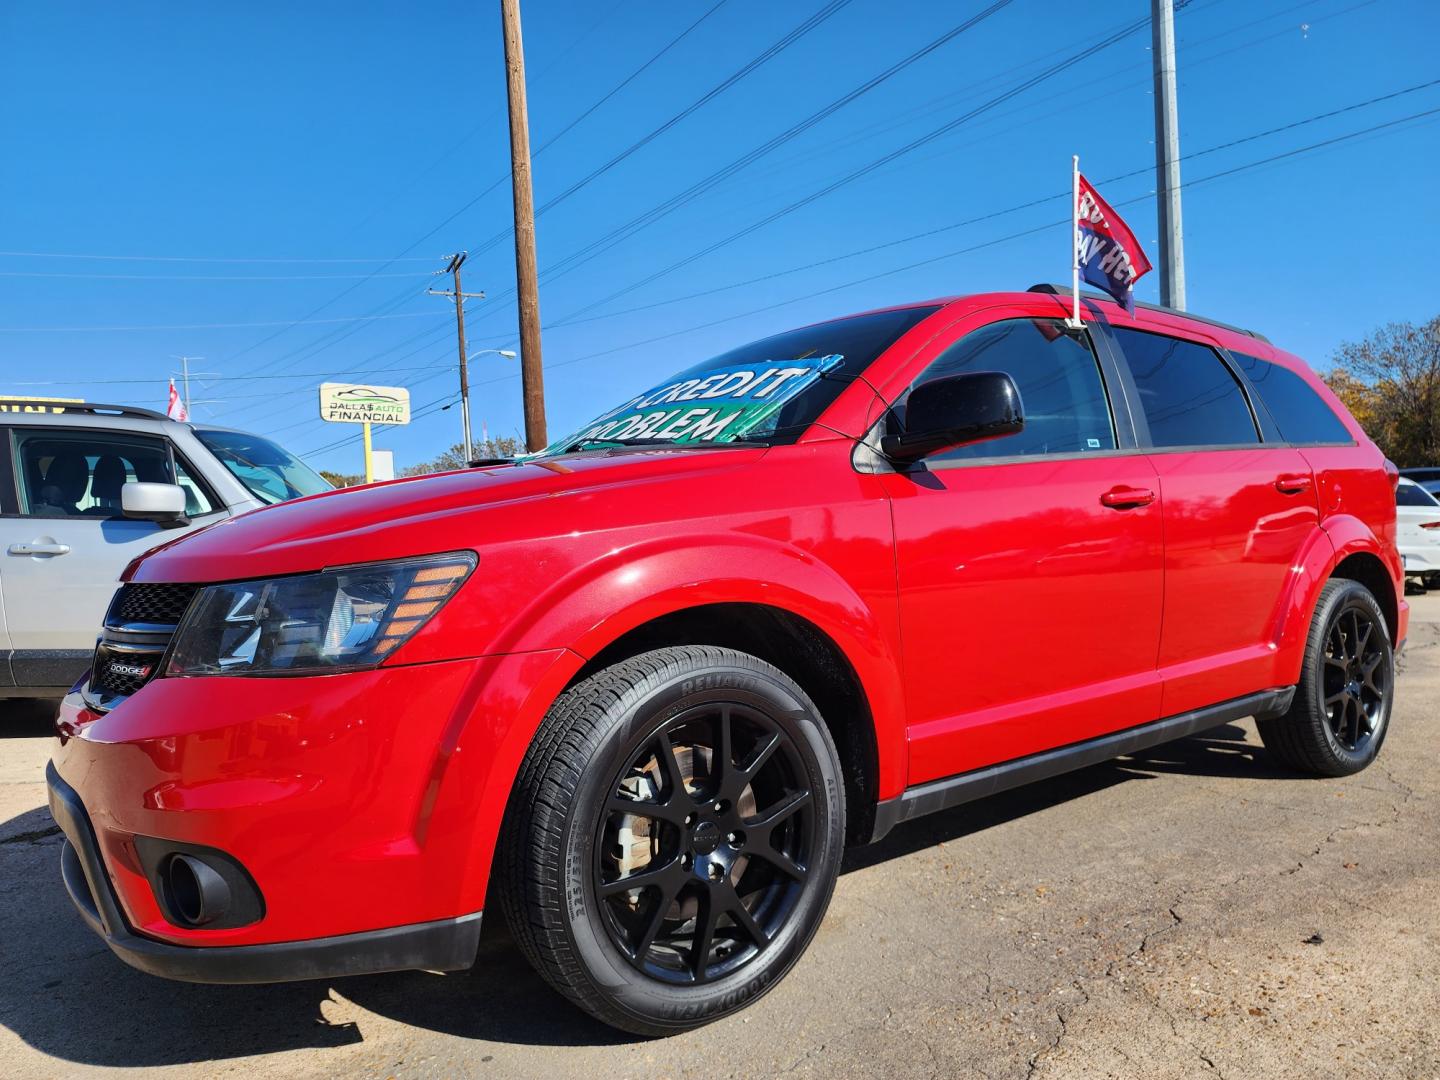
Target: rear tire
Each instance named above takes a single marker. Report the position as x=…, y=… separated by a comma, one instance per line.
x=1338, y=718
x=707, y=777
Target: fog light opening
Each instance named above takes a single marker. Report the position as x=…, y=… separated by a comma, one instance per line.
x=197, y=893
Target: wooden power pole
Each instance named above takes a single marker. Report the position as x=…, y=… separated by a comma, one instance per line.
x=532, y=376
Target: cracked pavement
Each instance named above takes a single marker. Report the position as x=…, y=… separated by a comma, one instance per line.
x=1192, y=911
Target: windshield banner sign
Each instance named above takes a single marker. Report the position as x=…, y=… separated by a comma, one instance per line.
x=720, y=405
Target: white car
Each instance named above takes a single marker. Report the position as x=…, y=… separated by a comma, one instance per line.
x=85, y=488
x=1417, y=520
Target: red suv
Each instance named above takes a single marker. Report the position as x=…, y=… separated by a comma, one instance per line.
x=645, y=685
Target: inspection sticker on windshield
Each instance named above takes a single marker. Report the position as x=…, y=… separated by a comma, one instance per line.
x=722, y=404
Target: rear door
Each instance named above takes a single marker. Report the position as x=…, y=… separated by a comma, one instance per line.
x=1028, y=566
x=65, y=543
x=1237, y=512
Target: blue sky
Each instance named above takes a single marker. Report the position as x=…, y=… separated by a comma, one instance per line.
x=216, y=153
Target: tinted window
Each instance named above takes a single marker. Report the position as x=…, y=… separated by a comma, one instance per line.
x=769, y=390
x=80, y=474
x=1413, y=495
x=1189, y=396
x=1066, y=410
x=1300, y=414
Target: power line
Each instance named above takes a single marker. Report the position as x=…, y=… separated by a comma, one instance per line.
x=655, y=213
x=199, y=277
x=1246, y=167
x=197, y=326
x=884, y=159
x=188, y=258
x=725, y=84
x=399, y=300
x=571, y=320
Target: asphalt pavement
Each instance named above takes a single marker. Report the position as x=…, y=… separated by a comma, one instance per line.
x=1192, y=911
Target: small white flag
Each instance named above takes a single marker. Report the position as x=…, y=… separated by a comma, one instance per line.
x=175, y=408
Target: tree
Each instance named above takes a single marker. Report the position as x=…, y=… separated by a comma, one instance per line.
x=341, y=479
x=1390, y=381
x=454, y=458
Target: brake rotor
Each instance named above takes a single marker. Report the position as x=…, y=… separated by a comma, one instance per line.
x=639, y=839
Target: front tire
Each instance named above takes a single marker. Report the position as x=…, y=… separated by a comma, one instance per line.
x=1338, y=718
x=673, y=838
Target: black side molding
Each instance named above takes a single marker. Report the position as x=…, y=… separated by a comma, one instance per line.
x=966, y=787
x=442, y=945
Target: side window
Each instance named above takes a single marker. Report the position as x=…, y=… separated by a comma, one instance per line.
x=1189, y=396
x=80, y=473
x=1300, y=414
x=1066, y=410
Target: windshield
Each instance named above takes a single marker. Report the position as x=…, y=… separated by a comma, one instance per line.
x=269, y=472
x=768, y=391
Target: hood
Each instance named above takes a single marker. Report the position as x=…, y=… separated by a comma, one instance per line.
x=423, y=515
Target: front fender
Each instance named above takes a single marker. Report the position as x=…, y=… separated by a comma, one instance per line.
x=592, y=607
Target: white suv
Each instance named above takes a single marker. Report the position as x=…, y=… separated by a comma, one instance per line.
x=83, y=490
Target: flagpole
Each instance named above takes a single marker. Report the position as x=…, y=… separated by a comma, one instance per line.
x=1074, y=320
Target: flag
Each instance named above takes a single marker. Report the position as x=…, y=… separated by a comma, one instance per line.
x=1107, y=252
x=174, y=407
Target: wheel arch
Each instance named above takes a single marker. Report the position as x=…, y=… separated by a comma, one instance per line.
x=802, y=650
x=1341, y=547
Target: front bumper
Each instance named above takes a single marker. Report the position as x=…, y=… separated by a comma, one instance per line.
x=363, y=808
x=442, y=945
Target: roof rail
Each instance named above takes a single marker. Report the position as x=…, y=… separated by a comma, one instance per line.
x=1064, y=290
x=94, y=408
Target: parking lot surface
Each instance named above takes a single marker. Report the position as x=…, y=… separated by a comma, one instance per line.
x=1191, y=911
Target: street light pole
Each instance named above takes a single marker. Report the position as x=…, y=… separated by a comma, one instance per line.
x=465, y=395
x=1167, y=155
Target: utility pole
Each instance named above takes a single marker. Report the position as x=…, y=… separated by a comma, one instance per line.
x=1167, y=155
x=185, y=377
x=532, y=377
x=185, y=374
x=459, y=295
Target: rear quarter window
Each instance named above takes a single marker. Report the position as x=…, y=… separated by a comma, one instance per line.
x=1301, y=415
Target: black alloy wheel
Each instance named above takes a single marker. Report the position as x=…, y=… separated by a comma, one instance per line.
x=1357, y=677
x=1340, y=713
x=673, y=838
x=703, y=847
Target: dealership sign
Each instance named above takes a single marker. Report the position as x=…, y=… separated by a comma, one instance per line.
x=362, y=403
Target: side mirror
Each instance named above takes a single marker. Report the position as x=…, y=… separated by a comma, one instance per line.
x=956, y=411
x=163, y=504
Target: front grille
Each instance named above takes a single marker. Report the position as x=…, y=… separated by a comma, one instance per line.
x=152, y=603
x=143, y=618
x=121, y=674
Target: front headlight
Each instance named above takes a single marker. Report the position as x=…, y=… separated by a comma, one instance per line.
x=335, y=620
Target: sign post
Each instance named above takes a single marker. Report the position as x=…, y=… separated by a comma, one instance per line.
x=363, y=404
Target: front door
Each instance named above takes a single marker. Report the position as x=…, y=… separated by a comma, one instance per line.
x=62, y=554
x=1028, y=567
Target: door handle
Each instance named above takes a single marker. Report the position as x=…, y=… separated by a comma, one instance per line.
x=39, y=549
x=1123, y=498
x=1292, y=484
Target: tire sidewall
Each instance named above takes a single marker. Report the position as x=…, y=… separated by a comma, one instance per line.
x=637, y=715
x=1352, y=595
